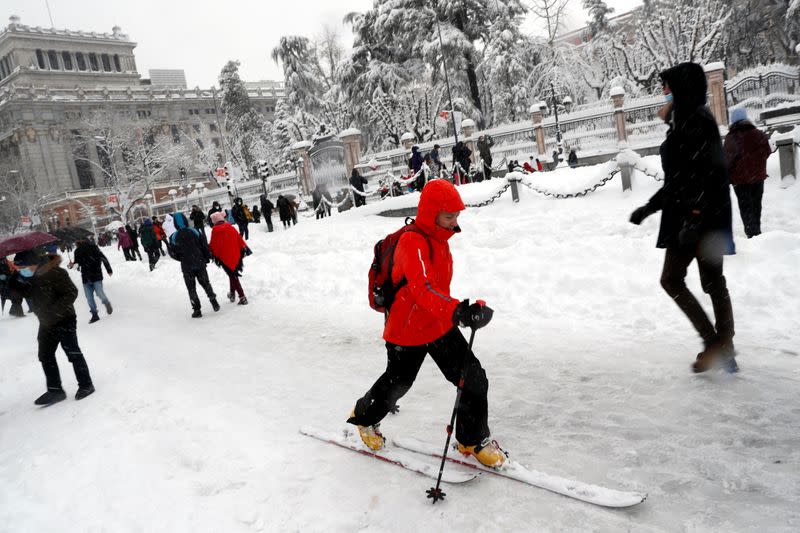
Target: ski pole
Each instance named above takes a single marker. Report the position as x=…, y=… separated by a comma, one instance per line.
x=435, y=493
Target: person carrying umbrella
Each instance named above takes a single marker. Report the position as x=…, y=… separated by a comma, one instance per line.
x=53, y=294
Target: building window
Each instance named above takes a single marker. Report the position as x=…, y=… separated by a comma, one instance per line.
x=106, y=62
x=66, y=58
x=117, y=63
x=196, y=128
x=82, y=164
x=209, y=111
x=143, y=113
x=212, y=128
x=52, y=55
x=93, y=62
x=40, y=59
x=5, y=67
x=176, y=134
x=80, y=59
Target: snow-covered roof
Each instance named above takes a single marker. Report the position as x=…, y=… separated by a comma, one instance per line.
x=349, y=131
x=467, y=123
x=617, y=91
x=301, y=144
x=716, y=65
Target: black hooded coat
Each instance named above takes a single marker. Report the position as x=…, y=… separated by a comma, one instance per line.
x=696, y=186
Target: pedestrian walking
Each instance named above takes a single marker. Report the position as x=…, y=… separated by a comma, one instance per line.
x=150, y=243
x=198, y=220
x=215, y=208
x=485, y=143
x=284, y=211
x=53, y=295
x=124, y=242
x=134, y=241
x=90, y=261
x=695, y=212
x=357, y=182
x=266, y=211
x=239, y=214
x=229, y=250
x=572, y=159
x=189, y=247
x=256, y=215
x=746, y=152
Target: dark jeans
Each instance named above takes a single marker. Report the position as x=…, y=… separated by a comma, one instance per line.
x=235, y=285
x=360, y=200
x=191, y=278
x=135, y=252
x=243, y=231
x=268, y=219
x=673, y=279
x=153, y=255
x=450, y=353
x=64, y=333
x=128, y=253
x=749, y=197
x=487, y=169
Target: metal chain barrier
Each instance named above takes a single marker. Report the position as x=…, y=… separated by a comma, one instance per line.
x=494, y=197
x=574, y=194
x=656, y=176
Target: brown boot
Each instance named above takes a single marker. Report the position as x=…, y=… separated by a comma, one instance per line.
x=713, y=356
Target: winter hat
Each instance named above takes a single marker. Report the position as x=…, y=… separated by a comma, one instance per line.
x=28, y=257
x=738, y=114
x=217, y=217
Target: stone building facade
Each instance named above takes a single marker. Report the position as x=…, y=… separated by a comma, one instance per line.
x=50, y=79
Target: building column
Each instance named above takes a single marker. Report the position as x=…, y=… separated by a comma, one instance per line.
x=352, y=148
x=718, y=102
x=618, y=101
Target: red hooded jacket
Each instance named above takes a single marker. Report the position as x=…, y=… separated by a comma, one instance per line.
x=228, y=246
x=423, y=309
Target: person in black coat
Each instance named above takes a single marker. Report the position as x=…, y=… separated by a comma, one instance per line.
x=215, y=208
x=188, y=247
x=357, y=181
x=256, y=215
x=266, y=210
x=240, y=216
x=53, y=295
x=285, y=211
x=134, y=235
x=198, y=220
x=90, y=261
x=461, y=155
x=695, y=210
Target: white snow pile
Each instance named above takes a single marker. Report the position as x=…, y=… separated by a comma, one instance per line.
x=194, y=425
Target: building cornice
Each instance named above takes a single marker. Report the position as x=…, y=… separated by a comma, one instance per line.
x=21, y=30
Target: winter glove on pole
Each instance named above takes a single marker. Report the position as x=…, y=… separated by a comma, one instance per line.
x=473, y=316
x=640, y=214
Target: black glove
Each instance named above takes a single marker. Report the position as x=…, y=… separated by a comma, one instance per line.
x=248, y=251
x=690, y=232
x=640, y=214
x=473, y=316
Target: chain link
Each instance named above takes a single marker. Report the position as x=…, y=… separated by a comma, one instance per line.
x=644, y=171
x=496, y=195
x=575, y=194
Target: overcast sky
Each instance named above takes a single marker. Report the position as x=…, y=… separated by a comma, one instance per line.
x=200, y=36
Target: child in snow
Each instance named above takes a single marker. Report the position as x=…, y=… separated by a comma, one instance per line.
x=229, y=251
x=52, y=295
x=423, y=320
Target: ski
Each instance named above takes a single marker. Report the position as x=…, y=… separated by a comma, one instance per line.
x=349, y=439
x=586, y=492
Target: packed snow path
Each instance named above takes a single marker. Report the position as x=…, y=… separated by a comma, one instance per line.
x=194, y=426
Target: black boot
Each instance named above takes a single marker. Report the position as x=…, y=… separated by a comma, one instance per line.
x=94, y=318
x=83, y=392
x=51, y=396
x=196, y=313
x=214, y=304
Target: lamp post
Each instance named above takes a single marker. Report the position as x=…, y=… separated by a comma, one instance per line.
x=446, y=79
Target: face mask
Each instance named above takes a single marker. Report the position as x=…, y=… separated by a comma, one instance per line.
x=668, y=98
x=26, y=272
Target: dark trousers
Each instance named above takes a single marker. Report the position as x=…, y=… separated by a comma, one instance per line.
x=64, y=333
x=749, y=197
x=134, y=252
x=487, y=168
x=161, y=247
x=360, y=200
x=673, y=279
x=243, y=231
x=153, y=256
x=235, y=285
x=269, y=222
x=191, y=278
x=128, y=253
x=450, y=353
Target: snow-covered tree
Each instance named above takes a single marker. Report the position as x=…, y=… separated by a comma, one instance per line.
x=598, y=15
x=19, y=195
x=759, y=32
x=245, y=125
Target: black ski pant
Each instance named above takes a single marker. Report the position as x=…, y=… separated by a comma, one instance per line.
x=191, y=278
x=673, y=279
x=128, y=253
x=451, y=354
x=243, y=231
x=749, y=198
x=64, y=333
x=269, y=223
x=135, y=252
x=153, y=256
x=487, y=168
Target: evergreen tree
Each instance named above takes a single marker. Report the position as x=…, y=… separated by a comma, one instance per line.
x=598, y=13
x=243, y=123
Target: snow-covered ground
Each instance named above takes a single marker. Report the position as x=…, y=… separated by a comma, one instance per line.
x=194, y=426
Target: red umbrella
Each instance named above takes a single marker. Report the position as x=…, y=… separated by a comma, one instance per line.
x=24, y=241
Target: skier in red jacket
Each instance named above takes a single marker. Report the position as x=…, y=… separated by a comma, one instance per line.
x=229, y=251
x=423, y=320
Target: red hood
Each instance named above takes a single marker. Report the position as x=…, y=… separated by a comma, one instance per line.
x=437, y=196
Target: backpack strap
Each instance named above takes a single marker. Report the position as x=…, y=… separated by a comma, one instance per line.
x=403, y=281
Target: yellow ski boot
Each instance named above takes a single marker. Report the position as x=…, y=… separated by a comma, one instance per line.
x=370, y=435
x=488, y=453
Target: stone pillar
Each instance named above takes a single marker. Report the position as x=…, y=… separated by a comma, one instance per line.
x=352, y=148
x=786, y=150
x=717, y=102
x=300, y=150
x=467, y=130
x=538, y=130
x=618, y=101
